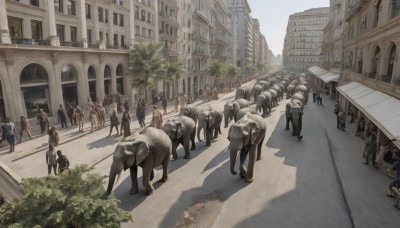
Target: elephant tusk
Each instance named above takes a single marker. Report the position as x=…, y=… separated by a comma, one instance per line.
x=119, y=175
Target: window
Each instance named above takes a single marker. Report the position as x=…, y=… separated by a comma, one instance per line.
x=143, y=17
x=89, y=36
x=73, y=32
x=61, y=32
x=121, y=2
x=107, y=39
x=101, y=16
x=34, y=3
x=137, y=30
x=36, y=27
x=150, y=33
x=121, y=20
x=105, y=15
x=115, y=18
x=136, y=12
x=88, y=9
x=143, y=31
x=71, y=7
x=58, y=6
x=15, y=27
x=101, y=36
x=149, y=17
x=395, y=8
x=116, y=39
x=122, y=41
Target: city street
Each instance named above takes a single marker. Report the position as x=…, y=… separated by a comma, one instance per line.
x=295, y=185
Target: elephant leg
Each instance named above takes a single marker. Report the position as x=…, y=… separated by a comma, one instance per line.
x=175, y=145
x=250, y=167
x=186, y=143
x=192, y=136
x=242, y=168
x=287, y=123
x=152, y=175
x=208, y=137
x=299, y=136
x=165, y=167
x=294, y=128
x=135, y=186
x=259, y=147
x=146, y=179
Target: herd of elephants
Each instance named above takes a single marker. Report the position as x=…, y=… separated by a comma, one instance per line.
x=153, y=147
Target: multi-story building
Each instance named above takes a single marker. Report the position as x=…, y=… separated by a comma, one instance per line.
x=242, y=26
x=263, y=50
x=303, y=39
x=222, y=31
x=256, y=41
x=146, y=20
x=62, y=52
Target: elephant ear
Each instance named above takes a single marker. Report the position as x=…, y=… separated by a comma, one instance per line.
x=229, y=133
x=211, y=118
x=180, y=129
x=140, y=149
x=254, y=131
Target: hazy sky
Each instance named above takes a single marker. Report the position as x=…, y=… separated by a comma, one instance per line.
x=274, y=15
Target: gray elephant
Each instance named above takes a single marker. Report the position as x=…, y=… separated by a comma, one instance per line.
x=264, y=103
x=243, y=92
x=274, y=94
x=151, y=148
x=190, y=111
x=231, y=108
x=244, y=111
x=298, y=96
x=303, y=89
x=247, y=137
x=209, y=120
x=264, y=84
x=256, y=90
x=297, y=118
x=181, y=130
x=278, y=91
x=290, y=91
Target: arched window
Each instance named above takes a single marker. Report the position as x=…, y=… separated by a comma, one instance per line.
x=107, y=72
x=375, y=62
x=69, y=74
x=92, y=83
x=91, y=73
x=120, y=70
x=34, y=73
x=392, y=57
x=394, y=8
x=120, y=79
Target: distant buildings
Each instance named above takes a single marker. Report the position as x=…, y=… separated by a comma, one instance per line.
x=303, y=39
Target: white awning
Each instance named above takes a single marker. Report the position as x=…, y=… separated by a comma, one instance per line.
x=383, y=110
x=326, y=76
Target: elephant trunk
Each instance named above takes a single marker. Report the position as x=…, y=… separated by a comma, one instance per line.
x=198, y=133
x=114, y=171
x=226, y=119
x=233, y=154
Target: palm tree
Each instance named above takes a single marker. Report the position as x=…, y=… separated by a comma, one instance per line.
x=145, y=61
x=217, y=69
x=172, y=71
x=233, y=72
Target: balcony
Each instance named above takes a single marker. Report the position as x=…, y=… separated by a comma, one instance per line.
x=32, y=42
x=91, y=45
x=70, y=44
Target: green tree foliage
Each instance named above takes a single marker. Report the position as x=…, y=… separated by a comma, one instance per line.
x=72, y=199
x=249, y=69
x=145, y=62
x=172, y=71
x=233, y=71
x=217, y=70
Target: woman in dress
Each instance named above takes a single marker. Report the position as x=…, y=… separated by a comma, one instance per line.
x=141, y=112
x=126, y=124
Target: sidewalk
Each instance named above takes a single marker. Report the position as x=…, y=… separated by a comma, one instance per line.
x=364, y=187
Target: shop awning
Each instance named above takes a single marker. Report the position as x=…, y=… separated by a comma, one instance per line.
x=383, y=110
x=324, y=75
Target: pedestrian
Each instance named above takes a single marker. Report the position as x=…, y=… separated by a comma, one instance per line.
x=351, y=112
x=164, y=103
x=71, y=112
x=314, y=96
x=113, y=106
x=62, y=116
x=319, y=99
x=337, y=108
x=114, y=122
x=339, y=118
x=157, y=120
x=25, y=127
x=89, y=104
x=80, y=117
x=370, y=150
x=343, y=121
x=51, y=160
x=120, y=107
x=62, y=161
x=43, y=120
x=94, y=119
x=9, y=133
x=141, y=112
x=101, y=113
x=182, y=99
x=126, y=124
x=126, y=105
x=176, y=103
x=53, y=136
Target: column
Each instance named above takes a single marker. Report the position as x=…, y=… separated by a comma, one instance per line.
x=4, y=33
x=155, y=18
x=131, y=24
x=111, y=25
x=113, y=81
x=83, y=27
x=27, y=29
x=54, y=40
x=96, y=34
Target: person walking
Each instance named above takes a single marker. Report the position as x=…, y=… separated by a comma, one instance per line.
x=80, y=117
x=71, y=112
x=89, y=104
x=157, y=120
x=113, y=107
x=314, y=96
x=94, y=119
x=43, y=120
x=25, y=127
x=370, y=150
x=62, y=116
x=182, y=99
x=343, y=121
x=51, y=160
x=141, y=112
x=126, y=124
x=164, y=103
x=176, y=103
x=337, y=108
x=126, y=105
x=114, y=122
x=9, y=133
x=339, y=119
x=361, y=127
x=351, y=112
x=62, y=161
x=53, y=136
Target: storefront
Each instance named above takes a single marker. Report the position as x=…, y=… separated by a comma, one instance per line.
x=325, y=81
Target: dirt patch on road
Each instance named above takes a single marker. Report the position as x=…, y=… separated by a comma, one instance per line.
x=202, y=213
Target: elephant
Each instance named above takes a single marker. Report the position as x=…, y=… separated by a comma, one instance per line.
x=282, y=88
x=181, y=130
x=190, y=111
x=274, y=95
x=298, y=96
x=256, y=90
x=278, y=91
x=231, y=109
x=264, y=84
x=264, y=103
x=290, y=91
x=210, y=120
x=288, y=115
x=244, y=111
x=149, y=149
x=246, y=136
x=243, y=92
x=297, y=118
x=304, y=89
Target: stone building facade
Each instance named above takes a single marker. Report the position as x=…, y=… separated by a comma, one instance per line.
x=62, y=52
x=303, y=39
